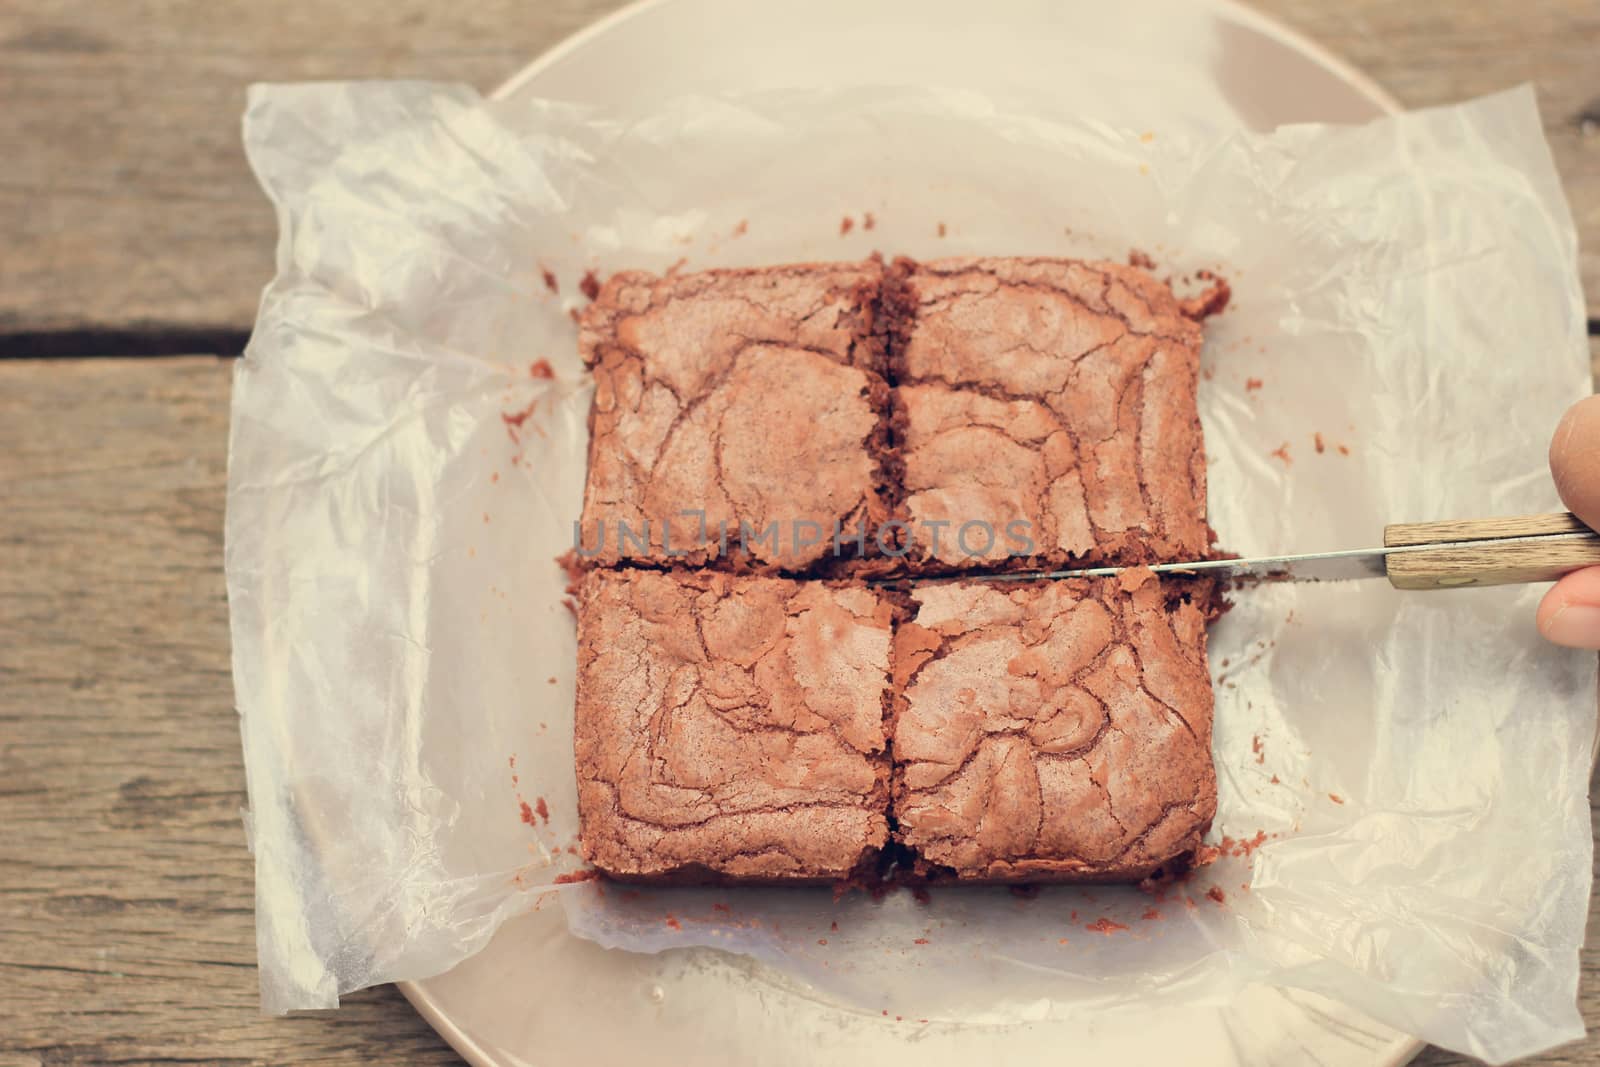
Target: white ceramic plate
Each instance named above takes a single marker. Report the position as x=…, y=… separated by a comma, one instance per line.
x=538, y=996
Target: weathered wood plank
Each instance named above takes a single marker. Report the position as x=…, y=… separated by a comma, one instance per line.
x=125, y=201
x=126, y=925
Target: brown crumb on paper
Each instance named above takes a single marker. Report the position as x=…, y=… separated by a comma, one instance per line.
x=550, y=279
x=869, y=221
x=943, y=229
x=1211, y=302
x=1252, y=384
x=846, y=224
x=1217, y=895
x=540, y=368
x=1104, y=926
x=1317, y=441
x=1336, y=798
x=1344, y=450
x=589, y=286
x=1282, y=452
x=1139, y=258
x=588, y=875
x=742, y=228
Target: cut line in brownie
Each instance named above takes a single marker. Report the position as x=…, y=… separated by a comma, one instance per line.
x=1052, y=393
x=731, y=728
x=1052, y=731
x=740, y=418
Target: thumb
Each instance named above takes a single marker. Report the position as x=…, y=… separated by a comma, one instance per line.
x=1570, y=612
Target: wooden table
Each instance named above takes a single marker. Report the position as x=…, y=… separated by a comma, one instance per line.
x=129, y=227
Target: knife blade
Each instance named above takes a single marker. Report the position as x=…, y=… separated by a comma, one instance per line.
x=1437, y=555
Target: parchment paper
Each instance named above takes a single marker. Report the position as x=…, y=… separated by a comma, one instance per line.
x=1407, y=327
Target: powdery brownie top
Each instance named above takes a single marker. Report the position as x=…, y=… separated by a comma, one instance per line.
x=754, y=396
x=1058, y=392
x=730, y=727
x=1052, y=731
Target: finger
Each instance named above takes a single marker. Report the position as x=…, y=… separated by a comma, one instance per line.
x=1570, y=612
x=1575, y=459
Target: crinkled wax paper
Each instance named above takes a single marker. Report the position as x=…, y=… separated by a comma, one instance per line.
x=1406, y=328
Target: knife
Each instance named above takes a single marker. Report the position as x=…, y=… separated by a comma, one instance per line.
x=1451, y=554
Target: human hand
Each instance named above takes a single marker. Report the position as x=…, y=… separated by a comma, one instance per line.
x=1570, y=612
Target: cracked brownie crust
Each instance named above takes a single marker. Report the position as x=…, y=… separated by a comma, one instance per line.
x=1057, y=392
x=731, y=728
x=755, y=396
x=1052, y=731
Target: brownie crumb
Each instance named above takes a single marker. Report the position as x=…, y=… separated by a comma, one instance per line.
x=943, y=229
x=550, y=279
x=1211, y=302
x=742, y=228
x=868, y=221
x=589, y=286
x=1216, y=894
x=1321, y=446
x=1139, y=258
x=846, y=224
x=1282, y=452
x=1105, y=926
x=1252, y=384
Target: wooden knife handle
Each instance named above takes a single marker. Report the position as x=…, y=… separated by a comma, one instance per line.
x=1496, y=561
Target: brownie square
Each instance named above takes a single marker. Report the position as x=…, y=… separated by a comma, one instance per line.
x=1050, y=393
x=730, y=728
x=739, y=417
x=1052, y=731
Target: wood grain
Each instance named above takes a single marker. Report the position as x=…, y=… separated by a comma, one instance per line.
x=1444, y=531
x=1486, y=563
x=126, y=929
x=126, y=203
x=1484, y=552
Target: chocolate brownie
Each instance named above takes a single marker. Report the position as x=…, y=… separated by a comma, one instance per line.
x=730, y=728
x=755, y=398
x=1052, y=731
x=1055, y=393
